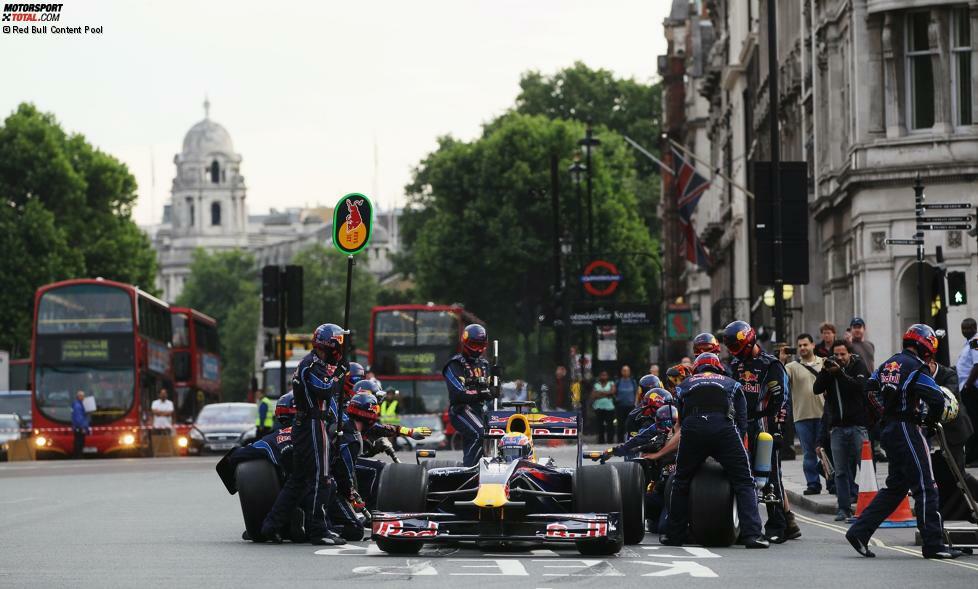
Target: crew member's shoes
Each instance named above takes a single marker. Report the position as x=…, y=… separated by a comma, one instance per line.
x=791, y=531
x=328, y=539
x=944, y=553
x=273, y=537
x=860, y=546
x=246, y=536
x=756, y=542
x=776, y=539
x=812, y=491
x=667, y=541
x=841, y=515
x=352, y=533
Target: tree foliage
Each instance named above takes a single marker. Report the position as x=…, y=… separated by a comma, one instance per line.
x=324, y=292
x=66, y=209
x=224, y=285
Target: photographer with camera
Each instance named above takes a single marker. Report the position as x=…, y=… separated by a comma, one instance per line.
x=842, y=382
x=467, y=377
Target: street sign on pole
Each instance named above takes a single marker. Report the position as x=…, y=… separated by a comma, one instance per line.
x=952, y=219
x=904, y=241
x=963, y=227
x=947, y=206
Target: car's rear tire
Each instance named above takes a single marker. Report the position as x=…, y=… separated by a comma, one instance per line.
x=403, y=488
x=596, y=489
x=631, y=480
x=258, y=486
x=712, y=507
x=430, y=464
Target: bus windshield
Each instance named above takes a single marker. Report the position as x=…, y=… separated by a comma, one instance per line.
x=85, y=308
x=112, y=387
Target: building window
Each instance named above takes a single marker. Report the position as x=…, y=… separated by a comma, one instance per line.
x=215, y=172
x=215, y=213
x=920, y=70
x=190, y=207
x=961, y=66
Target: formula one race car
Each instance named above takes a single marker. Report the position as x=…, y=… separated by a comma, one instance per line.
x=512, y=497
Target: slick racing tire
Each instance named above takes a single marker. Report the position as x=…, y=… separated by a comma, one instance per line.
x=596, y=490
x=403, y=488
x=258, y=487
x=430, y=464
x=712, y=508
x=631, y=479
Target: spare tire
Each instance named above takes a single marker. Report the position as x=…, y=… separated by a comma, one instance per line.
x=596, y=489
x=403, y=488
x=430, y=464
x=713, y=517
x=631, y=480
x=258, y=487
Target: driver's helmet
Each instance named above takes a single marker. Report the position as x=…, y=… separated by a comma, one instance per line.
x=514, y=446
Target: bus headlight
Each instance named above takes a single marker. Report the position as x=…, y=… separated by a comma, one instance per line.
x=182, y=441
x=40, y=441
x=128, y=440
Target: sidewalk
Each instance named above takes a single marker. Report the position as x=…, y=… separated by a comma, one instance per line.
x=794, y=485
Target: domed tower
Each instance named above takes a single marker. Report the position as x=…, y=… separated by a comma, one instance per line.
x=208, y=194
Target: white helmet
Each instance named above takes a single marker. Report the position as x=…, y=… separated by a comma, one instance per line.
x=950, y=406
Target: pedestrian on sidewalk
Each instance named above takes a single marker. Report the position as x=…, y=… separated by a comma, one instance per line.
x=603, y=403
x=842, y=381
x=861, y=346
x=79, y=423
x=806, y=406
x=626, y=397
x=823, y=349
x=967, y=369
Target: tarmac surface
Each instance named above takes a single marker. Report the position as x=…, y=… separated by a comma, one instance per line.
x=170, y=522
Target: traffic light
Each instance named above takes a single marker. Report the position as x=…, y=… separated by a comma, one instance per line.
x=957, y=292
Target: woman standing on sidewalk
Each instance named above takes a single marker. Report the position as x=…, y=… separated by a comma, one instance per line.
x=603, y=403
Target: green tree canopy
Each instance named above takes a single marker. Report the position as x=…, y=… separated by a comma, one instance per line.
x=224, y=285
x=324, y=292
x=67, y=206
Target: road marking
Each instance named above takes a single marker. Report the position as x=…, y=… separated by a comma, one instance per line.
x=421, y=569
x=506, y=567
x=679, y=567
x=880, y=544
x=693, y=552
x=594, y=568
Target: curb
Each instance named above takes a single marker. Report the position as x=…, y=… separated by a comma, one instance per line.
x=802, y=501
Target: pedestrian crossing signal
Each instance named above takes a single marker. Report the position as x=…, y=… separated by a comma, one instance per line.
x=956, y=288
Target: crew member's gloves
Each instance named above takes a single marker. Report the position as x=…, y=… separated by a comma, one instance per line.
x=415, y=433
x=356, y=501
x=340, y=371
x=607, y=454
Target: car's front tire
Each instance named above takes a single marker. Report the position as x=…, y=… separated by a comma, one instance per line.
x=597, y=489
x=403, y=489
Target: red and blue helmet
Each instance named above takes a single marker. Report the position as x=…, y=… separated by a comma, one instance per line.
x=739, y=337
x=706, y=342
x=474, y=340
x=655, y=399
x=649, y=382
x=514, y=446
x=708, y=361
x=363, y=407
x=329, y=338
x=666, y=417
x=285, y=409
x=921, y=338
x=354, y=376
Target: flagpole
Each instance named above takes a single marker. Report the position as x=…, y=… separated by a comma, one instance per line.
x=647, y=154
x=713, y=172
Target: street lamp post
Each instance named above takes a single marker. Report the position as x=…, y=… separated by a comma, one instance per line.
x=576, y=171
x=587, y=143
x=772, y=76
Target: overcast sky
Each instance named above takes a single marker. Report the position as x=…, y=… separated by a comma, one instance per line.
x=307, y=90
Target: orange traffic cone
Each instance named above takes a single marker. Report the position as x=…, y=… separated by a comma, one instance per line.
x=866, y=479
x=901, y=517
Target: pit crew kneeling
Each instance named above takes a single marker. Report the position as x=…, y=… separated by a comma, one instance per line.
x=713, y=413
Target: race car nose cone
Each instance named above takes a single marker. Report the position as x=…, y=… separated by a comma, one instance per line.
x=491, y=495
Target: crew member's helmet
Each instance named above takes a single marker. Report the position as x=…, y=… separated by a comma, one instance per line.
x=285, y=409
x=654, y=399
x=328, y=338
x=474, y=340
x=677, y=374
x=706, y=342
x=921, y=338
x=950, y=406
x=739, y=337
x=649, y=382
x=666, y=417
x=514, y=446
x=363, y=407
x=707, y=362
x=354, y=376
x=368, y=386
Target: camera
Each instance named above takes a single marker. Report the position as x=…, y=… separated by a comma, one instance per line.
x=829, y=362
x=973, y=344
x=790, y=351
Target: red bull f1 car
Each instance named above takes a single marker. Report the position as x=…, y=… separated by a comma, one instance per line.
x=512, y=497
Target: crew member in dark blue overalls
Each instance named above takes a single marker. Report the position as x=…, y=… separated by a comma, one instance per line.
x=316, y=382
x=903, y=392
x=467, y=377
x=765, y=385
x=713, y=413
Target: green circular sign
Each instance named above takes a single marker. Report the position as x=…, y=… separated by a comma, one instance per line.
x=353, y=223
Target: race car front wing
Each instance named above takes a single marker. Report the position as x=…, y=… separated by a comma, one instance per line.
x=538, y=527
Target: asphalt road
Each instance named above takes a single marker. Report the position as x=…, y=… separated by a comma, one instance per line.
x=170, y=522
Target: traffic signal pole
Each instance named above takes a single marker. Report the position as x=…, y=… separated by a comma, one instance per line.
x=772, y=78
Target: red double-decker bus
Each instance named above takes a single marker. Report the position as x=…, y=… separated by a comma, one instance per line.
x=196, y=366
x=109, y=340
x=409, y=346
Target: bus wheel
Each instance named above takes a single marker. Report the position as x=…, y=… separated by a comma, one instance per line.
x=258, y=487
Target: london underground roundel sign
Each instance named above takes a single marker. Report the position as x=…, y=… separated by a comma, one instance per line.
x=600, y=278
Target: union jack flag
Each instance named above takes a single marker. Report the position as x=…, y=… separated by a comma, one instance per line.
x=690, y=186
x=692, y=248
